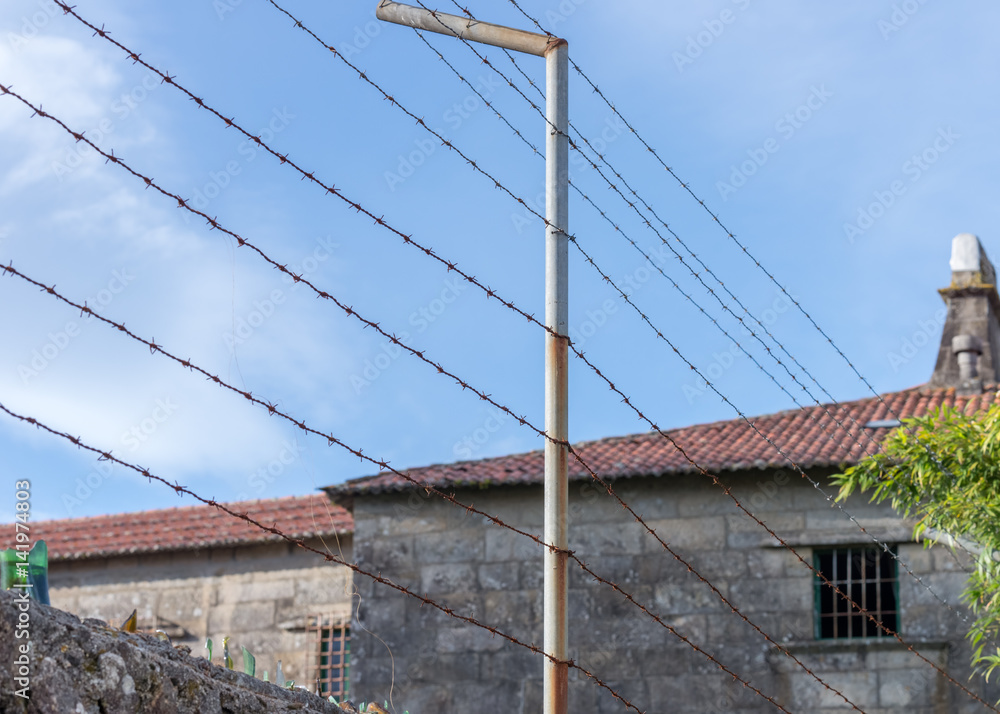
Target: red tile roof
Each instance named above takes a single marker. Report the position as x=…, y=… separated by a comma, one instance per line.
x=810, y=437
x=185, y=528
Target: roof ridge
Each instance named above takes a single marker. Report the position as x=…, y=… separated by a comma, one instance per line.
x=803, y=434
x=184, y=528
x=173, y=509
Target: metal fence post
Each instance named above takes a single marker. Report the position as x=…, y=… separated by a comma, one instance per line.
x=556, y=53
x=556, y=682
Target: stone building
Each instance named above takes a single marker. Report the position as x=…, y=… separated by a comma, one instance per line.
x=436, y=663
x=196, y=572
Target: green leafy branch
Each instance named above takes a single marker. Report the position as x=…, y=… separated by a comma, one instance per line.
x=943, y=471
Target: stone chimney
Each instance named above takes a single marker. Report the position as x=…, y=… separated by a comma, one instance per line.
x=969, y=356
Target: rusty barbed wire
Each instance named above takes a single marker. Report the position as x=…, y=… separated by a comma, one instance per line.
x=490, y=293
x=243, y=242
x=284, y=159
x=325, y=554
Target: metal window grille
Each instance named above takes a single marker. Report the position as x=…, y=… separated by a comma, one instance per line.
x=866, y=575
x=331, y=662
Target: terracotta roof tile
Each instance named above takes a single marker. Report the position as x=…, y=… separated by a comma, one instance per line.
x=810, y=437
x=185, y=528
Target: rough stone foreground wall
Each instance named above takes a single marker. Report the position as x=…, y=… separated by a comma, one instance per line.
x=88, y=668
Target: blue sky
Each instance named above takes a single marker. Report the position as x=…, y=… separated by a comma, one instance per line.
x=845, y=144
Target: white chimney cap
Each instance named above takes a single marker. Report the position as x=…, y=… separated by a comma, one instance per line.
x=965, y=253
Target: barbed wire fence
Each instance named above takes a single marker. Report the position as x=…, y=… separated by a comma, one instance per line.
x=213, y=222
x=99, y=32
x=243, y=242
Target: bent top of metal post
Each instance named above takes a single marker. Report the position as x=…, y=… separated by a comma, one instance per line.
x=466, y=28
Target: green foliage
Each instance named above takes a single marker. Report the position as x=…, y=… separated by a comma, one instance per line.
x=943, y=470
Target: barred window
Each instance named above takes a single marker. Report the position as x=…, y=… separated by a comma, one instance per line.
x=867, y=575
x=331, y=664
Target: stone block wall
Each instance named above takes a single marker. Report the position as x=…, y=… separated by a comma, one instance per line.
x=258, y=595
x=436, y=663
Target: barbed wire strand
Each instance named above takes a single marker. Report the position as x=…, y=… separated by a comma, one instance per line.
x=104, y=34
x=325, y=554
x=383, y=465
x=330, y=189
x=299, y=279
